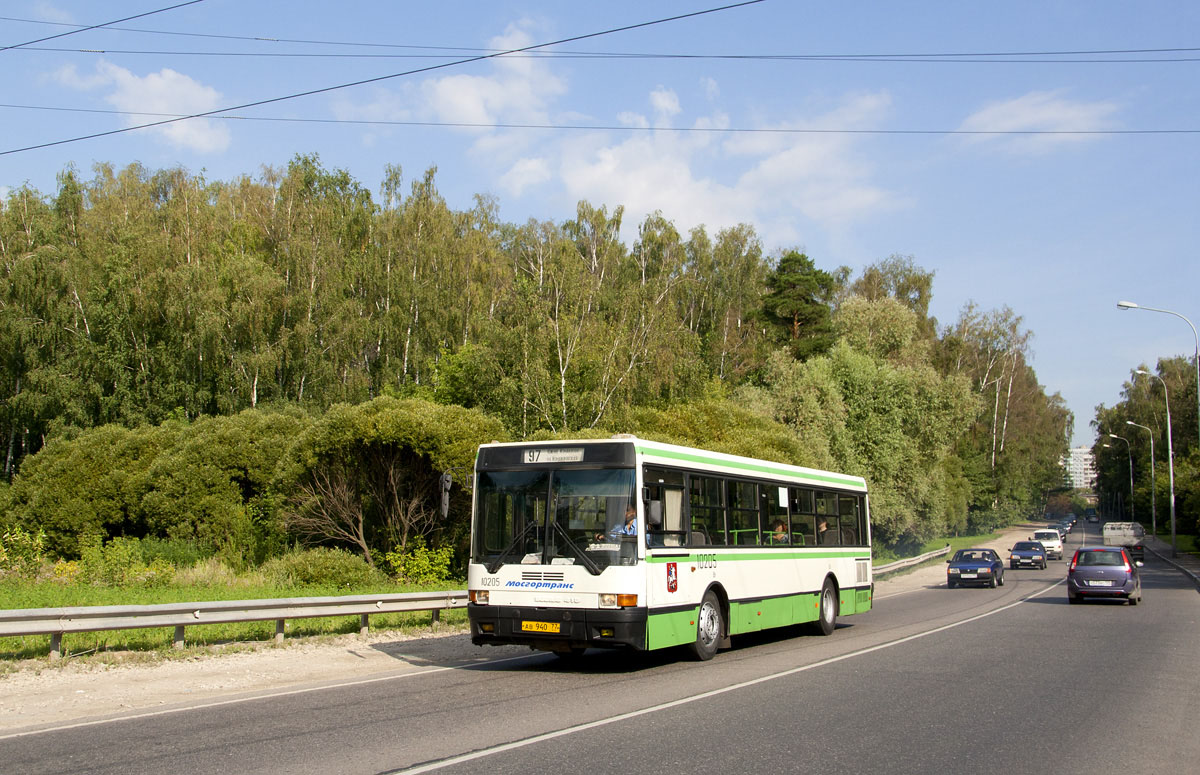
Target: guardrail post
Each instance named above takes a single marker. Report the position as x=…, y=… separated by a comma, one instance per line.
x=435, y=616
x=363, y=624
x=55, y=645
x=279, y=625
x=178, y=636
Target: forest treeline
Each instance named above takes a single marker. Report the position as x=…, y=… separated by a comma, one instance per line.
x=1128, y=433
x=242, y=364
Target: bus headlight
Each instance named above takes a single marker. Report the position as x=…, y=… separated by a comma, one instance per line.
x=617, y=601
x=608, y=601
x=478, y=596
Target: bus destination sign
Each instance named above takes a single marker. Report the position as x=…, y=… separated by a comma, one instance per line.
x=554, y=455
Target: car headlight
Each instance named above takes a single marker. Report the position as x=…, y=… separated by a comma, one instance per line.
x=985, y=570
x=952, y=570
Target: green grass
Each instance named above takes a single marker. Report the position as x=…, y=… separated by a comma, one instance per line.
x=1185, y=543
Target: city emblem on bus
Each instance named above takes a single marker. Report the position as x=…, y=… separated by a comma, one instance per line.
x=672, y=577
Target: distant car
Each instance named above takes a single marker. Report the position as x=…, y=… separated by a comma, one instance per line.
x=975, y=566
x=1061, y=530
x=1092, y=517
x=1050, y=538
x=1104, y=572
x=1065, y=525
x=1027, y=554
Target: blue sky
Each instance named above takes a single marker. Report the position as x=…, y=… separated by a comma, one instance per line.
x=973, y=137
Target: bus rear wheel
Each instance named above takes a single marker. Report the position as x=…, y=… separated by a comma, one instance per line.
x=827, y=610
x=709, y=628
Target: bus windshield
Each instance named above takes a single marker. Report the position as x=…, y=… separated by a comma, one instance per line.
x=554, y=517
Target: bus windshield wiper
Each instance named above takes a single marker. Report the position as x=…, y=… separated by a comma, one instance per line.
x=495, y=564
x=588, y=562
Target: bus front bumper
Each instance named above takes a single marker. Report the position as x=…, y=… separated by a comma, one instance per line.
x=558, y=629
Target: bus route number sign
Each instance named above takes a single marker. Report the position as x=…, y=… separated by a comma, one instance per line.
x=556, y=455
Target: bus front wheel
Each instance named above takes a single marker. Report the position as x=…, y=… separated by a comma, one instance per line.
x=827, y=610
x=709, y=627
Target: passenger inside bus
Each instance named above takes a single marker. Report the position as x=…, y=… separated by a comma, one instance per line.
x=779, y=534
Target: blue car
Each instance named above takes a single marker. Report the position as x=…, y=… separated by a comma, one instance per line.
x=1031, y=554
x=975, y=566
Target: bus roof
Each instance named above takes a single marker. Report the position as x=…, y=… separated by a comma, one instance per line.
x=707, y=460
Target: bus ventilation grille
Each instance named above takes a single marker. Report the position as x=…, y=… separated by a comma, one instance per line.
x=534, y=575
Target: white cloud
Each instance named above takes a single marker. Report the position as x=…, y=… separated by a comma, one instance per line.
x=48, y=12
x=164, y=92
x=711, y=89
x=665, y=103
x=783, y=182
x=518, y=90
x=525, y=173
x=1040, y=111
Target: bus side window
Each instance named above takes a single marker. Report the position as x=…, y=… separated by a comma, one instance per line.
x=850, y=512
x=803, y=523
x=743, y=513
x=707, y=509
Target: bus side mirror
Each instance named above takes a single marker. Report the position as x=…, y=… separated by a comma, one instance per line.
x=444, y=486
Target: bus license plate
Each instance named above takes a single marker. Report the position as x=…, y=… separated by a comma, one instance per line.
x=540, y=627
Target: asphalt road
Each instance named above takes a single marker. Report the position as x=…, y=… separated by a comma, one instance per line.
x=933, y=680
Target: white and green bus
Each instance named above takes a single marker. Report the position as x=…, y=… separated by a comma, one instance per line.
x=629, y=543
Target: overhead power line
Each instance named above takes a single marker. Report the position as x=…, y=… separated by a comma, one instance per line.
x=1062, y=57
x=629, y=128
x=377, y=79
x=898, y=56
x=98, y=26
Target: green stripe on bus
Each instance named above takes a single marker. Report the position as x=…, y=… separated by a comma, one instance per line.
x=770, y=555
x=850, y=481
x=677, y=628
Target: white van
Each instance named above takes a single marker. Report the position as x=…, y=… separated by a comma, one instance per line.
x=1051, y=540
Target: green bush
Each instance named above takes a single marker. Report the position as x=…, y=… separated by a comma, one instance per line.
x=321, y=566
x=421, y=564
x=120, y=563
x=21, y=552
x=172, y=551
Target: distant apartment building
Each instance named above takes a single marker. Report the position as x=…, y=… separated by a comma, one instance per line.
x=1080, y=468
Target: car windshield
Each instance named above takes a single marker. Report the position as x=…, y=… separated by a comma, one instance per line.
x=1101, y=558
x=972, y=555
x=1026, y=546
x=1042, y=535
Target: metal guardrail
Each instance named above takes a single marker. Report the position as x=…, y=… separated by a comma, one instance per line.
x=910, y=561
x=56, y=622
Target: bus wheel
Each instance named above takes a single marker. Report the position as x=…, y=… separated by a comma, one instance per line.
x=709, y=628
x=827, y=618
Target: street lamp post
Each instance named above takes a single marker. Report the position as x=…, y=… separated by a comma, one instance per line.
x=1170, y=458
x=1129, y=454
x=1153, y=491
x=1131, y=305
